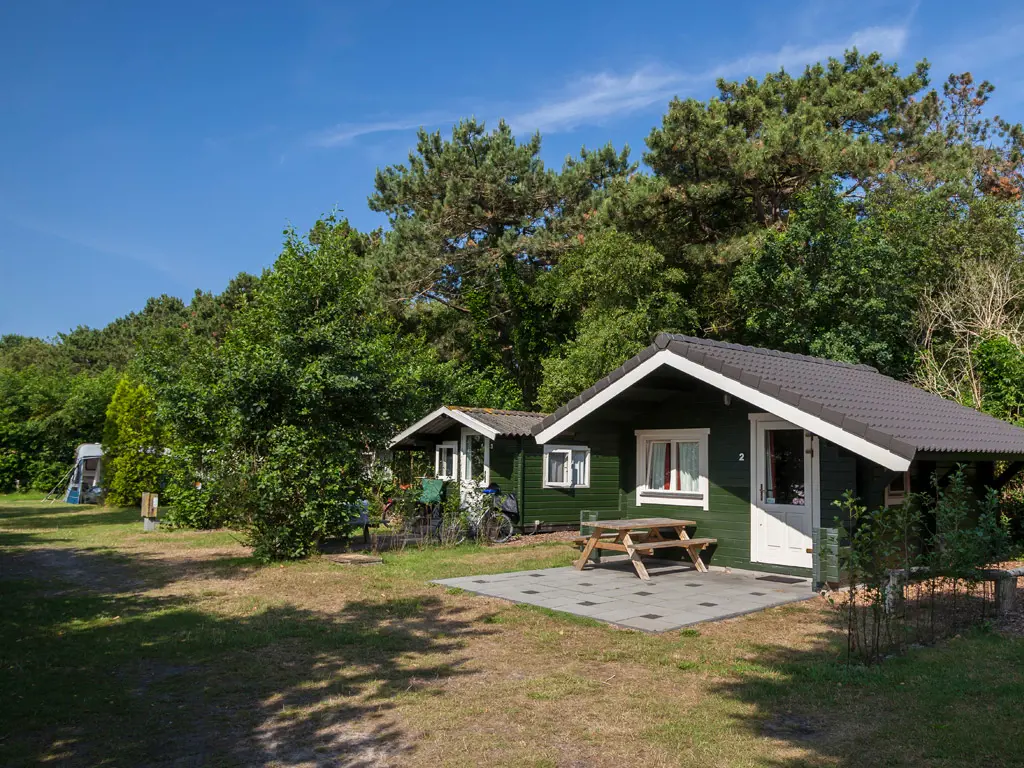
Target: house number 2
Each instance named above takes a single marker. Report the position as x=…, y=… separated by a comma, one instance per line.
x=741, y=457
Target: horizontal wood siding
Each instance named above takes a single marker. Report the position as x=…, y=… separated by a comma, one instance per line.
x=562, y=506
x=504, y=455
x=728, y=516
x=838, y=472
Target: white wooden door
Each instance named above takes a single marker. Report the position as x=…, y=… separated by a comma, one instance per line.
x=784, y=497
x=474, y=465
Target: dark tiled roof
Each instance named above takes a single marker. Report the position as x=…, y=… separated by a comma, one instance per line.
x=856, y=398
x=513, y=423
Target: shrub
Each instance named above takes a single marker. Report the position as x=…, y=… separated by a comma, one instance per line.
x=189, y=494
x=912, y=585
x=132, y=448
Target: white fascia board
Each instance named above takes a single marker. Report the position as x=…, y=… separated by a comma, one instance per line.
x=773, y=405
x=602, y=397
x=462, y=418
x=468, y=421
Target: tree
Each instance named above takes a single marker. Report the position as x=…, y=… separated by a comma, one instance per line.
x=623, y=295
x=736, y=161
x=132, y=445
x=729, y=171
x=474, y=222
x=314, y=374
x=970, y=329
x=831, y=285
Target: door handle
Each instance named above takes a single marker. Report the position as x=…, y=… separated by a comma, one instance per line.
x=761, y=492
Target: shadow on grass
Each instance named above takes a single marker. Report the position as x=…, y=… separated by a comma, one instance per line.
x=951, y=704
x=44, y=515
x=94, y=678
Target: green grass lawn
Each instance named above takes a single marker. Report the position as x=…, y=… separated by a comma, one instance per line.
x=119, y=647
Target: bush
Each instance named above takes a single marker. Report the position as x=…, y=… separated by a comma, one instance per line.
x=189, y=493
x=297, y=497
x=132, y=448
x=912, y=585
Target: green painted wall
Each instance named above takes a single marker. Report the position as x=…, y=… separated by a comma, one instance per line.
x=728, y=516
x=505, y=463
x=551, y=506
x=562, y=506
x=839, y=473
x=517, y=466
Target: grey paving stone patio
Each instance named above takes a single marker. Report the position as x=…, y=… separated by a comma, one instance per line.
x=676, y=596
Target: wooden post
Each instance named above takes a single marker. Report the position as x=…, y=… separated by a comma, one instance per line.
x=1004, y=586
x=150, y=509
x=1006, y=595
x=1006, y=590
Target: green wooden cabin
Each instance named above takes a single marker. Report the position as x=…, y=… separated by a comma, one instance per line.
x=751, y=444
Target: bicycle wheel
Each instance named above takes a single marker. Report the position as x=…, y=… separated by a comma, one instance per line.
x=498, y=528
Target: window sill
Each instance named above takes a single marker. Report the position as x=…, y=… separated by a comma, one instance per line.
x=546, y=487
x=672, y=498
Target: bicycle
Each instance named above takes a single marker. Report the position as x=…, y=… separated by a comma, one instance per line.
x=490, y=517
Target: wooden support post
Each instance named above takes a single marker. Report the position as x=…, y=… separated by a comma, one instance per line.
x=1006, y=595
x=150, y=510
x=1005, y=588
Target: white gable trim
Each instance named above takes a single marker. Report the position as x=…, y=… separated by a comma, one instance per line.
x=773, y=405
x=460, y=416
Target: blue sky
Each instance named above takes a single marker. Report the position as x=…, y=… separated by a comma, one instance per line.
x=150, y=148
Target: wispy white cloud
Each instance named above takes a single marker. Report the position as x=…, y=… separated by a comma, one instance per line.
x=888, y=40
x=597, y=98
x=345, y=133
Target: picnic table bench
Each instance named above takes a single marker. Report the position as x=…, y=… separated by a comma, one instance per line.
x=639, y=536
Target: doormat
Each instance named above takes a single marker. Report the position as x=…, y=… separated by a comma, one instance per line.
x=781, y=579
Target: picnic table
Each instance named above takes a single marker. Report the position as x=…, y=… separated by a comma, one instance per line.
x=642, y=536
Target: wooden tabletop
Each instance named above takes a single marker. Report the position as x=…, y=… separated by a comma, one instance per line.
x=640, y=522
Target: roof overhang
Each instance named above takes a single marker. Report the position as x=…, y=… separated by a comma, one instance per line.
x=786, y=411
x=444, y=413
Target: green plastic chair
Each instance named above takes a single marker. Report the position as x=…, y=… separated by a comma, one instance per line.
x=432, y=490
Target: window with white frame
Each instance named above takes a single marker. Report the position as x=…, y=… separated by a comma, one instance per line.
x=566, y=466
x=672, y=467
x=896, y=492
x=476, y=458
x=444, y=460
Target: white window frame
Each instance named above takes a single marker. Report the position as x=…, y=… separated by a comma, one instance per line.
x=898, y=498
x=645, y=495
x=464, y=459
x=567, y=449
x=452, y=445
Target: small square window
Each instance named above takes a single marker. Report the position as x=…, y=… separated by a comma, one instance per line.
x=566, y=466
x=897, y=491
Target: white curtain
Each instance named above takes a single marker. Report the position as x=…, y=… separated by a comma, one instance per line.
x=657, y=478
x=579, y=467
x=688, y=461
x=557, y=467
x=445, y=461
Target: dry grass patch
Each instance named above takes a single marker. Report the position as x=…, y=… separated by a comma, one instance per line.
x=118, y=646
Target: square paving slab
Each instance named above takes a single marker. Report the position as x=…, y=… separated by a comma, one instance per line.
x=676, y=596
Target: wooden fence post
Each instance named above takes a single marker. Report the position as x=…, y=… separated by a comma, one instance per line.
x=150, y=510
